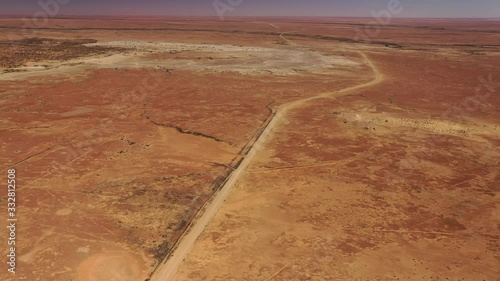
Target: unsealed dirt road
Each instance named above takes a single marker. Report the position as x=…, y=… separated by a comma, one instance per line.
x=167, y=269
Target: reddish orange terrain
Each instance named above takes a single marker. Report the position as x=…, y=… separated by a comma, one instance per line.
x=386, y=167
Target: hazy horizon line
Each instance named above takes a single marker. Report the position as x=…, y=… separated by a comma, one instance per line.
x=241, y=16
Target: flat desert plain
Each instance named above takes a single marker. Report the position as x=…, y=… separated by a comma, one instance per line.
x=298, y=148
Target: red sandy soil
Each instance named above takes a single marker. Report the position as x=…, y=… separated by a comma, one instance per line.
x=395, y=182
x=108, y=177
x=384, y=183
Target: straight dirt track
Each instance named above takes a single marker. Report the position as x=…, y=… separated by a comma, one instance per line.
x=168, y=267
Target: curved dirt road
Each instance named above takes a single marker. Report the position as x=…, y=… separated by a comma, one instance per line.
x=168, y=267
